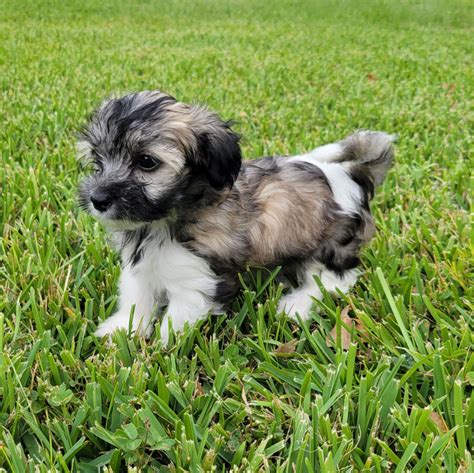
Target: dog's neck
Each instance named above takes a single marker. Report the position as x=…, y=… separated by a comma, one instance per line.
x=197, y=196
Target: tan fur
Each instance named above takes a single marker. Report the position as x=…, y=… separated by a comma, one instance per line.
x=215, y=231
x=183, y=122
x=268, y=220
x=291, y=212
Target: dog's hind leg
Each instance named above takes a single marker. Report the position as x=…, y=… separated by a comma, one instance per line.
x=299, y=300
x=332, y=282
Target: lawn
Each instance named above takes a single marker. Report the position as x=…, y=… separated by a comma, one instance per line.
x=380, y=380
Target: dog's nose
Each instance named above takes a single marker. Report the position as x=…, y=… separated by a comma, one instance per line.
x=101, y=201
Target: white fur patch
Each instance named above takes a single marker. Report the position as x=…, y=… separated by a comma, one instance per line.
x=166, y=272
x=346, y=192
x=135, y=290
x=332, y=282
x=300, y=300
x=326, y=153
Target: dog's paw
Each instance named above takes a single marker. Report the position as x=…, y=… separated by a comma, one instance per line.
x=120, y=321
x=332, y=282
x=115, y=322
x=296, y=303
x=164, y=332
x=166, y=326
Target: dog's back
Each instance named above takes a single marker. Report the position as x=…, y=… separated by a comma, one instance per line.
x=313, y=206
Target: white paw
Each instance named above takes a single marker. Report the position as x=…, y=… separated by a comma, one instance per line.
x=164, y=331
x=332, y=282
x=113, y=323
x=177, y=326
x=180, y=319
x=121, y=320
x=296, y=303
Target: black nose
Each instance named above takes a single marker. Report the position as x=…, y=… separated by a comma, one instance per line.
x=101, y=201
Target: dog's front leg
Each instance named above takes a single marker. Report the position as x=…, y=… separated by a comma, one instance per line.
x=137, y=297
x=184, y=307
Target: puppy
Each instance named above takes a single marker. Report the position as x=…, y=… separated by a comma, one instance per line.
x=188, y=215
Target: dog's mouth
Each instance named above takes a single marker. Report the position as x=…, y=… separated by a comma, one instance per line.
x=118, y=211
x=121, y=225
x=113, y=220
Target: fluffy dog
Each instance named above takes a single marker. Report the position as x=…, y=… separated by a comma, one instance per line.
x=188, y=215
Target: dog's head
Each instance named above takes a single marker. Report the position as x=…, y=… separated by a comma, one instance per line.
x=147, y=151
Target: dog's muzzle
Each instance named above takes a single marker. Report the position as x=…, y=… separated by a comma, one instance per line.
x=101, y=200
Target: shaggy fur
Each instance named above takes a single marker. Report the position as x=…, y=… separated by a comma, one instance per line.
x=188, y=215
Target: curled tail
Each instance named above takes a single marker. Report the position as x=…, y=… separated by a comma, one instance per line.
x=365, y=155
x=368, y=152
x=353, y=168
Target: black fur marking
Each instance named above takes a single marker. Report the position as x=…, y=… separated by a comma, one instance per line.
x=349, y=231
x=127, y=120
x=218, y=156
x=137, y=252
x=227, y=288
x=130, y=201
x=313, y=172
x=335, y=261
x=341, y=245
x=361, y=176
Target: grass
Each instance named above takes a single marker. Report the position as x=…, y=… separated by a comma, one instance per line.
x=247, y=391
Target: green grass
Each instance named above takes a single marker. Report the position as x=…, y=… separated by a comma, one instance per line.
x=247, y=391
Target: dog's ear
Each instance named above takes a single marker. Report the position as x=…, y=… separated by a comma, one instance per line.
x=218, y=156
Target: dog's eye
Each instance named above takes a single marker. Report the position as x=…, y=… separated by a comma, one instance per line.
x=147, y=163
x=94, y=167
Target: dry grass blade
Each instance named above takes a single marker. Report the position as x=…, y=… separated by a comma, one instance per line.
x=439, y=421
x=345, y=334
x=286, y=348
